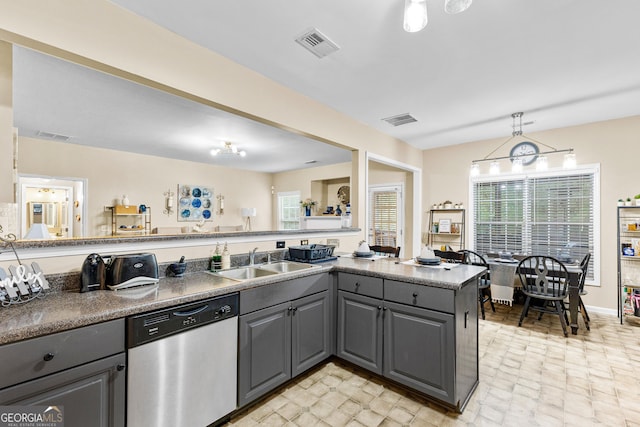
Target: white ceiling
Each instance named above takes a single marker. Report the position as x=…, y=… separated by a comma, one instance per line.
x=561, y=62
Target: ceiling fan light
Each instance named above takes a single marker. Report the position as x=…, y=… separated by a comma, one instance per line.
x=242, y=153
x=215, y=151
x=456, y=6
x=475, y=170
x=415, y=15
x=494, y=168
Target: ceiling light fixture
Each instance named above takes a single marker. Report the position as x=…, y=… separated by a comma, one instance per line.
x=524, y=156
x=228, y=150
x=415, y=12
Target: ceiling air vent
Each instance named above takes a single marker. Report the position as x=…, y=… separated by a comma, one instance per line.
x=400, y=119
x=317, y=43
x=53, y=136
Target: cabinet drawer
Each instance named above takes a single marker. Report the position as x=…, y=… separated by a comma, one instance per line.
x=33, y=358
x=276, y=293
x=420, y=296
x=363, y=285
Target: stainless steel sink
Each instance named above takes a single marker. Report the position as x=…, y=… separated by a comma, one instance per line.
x=244, y=273
x=285, y=266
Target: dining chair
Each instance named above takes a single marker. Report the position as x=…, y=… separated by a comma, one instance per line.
x=484, y=283
x=449, y=256
x=391, y=251
x=584, y=266
x=545, y=283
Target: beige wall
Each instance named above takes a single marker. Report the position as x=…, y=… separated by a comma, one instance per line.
x=6, y=123
x=613, y=144
x=145, y=179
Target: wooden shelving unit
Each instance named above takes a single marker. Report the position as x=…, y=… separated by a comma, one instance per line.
x=451, y=235
x=628, y=259
x=135, y=224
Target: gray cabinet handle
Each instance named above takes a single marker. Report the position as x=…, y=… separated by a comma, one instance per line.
x=48, y=357
x=415, y=295
x=120, y=367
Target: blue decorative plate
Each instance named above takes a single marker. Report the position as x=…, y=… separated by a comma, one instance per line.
x=185, y=213
x=196, y=214
x=206, y=214
x=185, y=201
x=206, y=192
x=206, y=203
x=196, y=203
x=196, y=192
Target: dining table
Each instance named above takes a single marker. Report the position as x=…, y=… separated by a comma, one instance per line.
x=503, y=282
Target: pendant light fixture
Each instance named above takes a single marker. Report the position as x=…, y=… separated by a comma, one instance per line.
x=522, y=157
x=415, y=12
x=456, y=6
x=415, y=15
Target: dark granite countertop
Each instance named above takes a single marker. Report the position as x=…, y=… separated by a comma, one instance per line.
x=61, y=311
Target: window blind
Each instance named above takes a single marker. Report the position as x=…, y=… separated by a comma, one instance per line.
x=539, y=214
x=384, y=217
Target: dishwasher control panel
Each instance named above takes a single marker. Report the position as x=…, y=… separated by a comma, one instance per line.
x=147, y=327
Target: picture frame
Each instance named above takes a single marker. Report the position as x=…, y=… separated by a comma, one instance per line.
x=195, y=203
x=444, y=225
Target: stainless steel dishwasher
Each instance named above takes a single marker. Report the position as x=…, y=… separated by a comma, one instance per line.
x=183, y=364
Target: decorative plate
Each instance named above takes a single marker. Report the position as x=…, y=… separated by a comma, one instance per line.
x=206, y=214
x=186, y=213
x=196, y=192
x=363, y=254
x=185, y=201
x=196, y=203
x=428, y=261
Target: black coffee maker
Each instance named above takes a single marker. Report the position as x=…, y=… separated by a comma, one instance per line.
x=93, y=274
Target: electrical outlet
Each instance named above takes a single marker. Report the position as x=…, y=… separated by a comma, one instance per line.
x=333, y=242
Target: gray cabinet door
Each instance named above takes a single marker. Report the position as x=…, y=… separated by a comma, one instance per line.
x=360, y=330
x=419, y=349
x=311, y=331
x=92, y=394
x=265, y=351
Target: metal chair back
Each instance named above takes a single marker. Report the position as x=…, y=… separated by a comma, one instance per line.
x=543, y=277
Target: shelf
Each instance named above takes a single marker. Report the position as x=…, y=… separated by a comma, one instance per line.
x=143, y=220
x=629, y=258
x=457, y=222
x=445, y=234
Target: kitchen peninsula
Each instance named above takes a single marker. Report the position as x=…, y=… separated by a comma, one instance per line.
x=423, y=320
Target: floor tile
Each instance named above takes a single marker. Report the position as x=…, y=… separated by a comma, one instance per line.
x=529, y=376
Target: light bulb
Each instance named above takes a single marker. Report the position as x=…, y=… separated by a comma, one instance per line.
x=415, y=15
x=242, y=153
x=516, y=166
x=542, y=164
x=475, y=169
x=456, y=6
x=215, y=151
x=494, y=168
x=569, y=161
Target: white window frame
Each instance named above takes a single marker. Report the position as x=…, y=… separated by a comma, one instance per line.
x=593, y=169
x=282, y=195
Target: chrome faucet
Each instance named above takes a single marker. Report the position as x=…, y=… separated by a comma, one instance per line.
x=252, y=256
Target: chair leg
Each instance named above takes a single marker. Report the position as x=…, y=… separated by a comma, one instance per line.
x=585, y=315
x=493, y=307
x=561, y=314
x=525, y=309
x=481, y=300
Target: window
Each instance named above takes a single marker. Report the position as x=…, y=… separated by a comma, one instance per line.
x=385, y=206
x=289, y=210
x=550, y=213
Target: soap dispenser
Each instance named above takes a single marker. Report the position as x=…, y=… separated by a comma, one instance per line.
x=226, y=257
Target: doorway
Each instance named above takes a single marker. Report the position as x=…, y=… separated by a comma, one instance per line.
x=55, y=202
x=385, y=215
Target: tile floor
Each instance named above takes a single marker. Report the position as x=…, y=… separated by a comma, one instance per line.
x=529, y=376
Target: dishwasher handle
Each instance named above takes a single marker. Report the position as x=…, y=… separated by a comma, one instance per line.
x=191, y=312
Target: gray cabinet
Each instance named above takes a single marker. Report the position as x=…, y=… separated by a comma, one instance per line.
x=280, y=341
x=419, y=349
x=82, y=370
x=360, y=330
x=423, y=337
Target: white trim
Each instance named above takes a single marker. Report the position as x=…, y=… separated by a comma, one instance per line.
x=417, y=196
x=593, y=168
